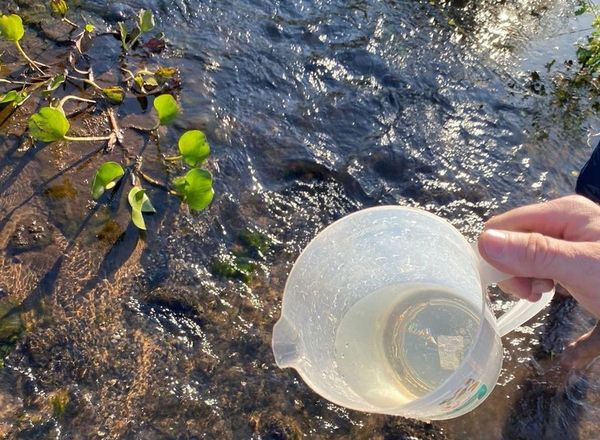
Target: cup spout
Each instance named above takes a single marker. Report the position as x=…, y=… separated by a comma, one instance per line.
x=285, y=343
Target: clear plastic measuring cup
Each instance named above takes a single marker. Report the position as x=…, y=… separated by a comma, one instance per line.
x=386, y=311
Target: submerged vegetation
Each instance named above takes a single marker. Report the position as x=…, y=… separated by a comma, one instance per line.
x=11, y=328
x=66, y=101
x=574, y=84
x=50, y=123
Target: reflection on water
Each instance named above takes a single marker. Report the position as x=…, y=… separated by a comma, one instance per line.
x=314, y=109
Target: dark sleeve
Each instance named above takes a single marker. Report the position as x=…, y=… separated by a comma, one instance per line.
x=588, y=182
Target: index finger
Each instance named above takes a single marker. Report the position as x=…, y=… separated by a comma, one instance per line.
x=572, y=218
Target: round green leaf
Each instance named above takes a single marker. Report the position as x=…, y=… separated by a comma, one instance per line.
x=167, y=108
x=11, y=27
x=106, y=177
x=48, y=125
x=146, y=20
x=89, y=28
x=114, y=94
x=195, y=188
x=140, y=203
x=193, y=147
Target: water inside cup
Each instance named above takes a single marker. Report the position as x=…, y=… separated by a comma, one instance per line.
x=403, y=341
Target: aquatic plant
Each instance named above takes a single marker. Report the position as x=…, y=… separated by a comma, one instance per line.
x=11, y=328
x=60, y=8
x=50, y=123
x=59, y=402
x=11, y=28
x=145, y=23
x=588, y=53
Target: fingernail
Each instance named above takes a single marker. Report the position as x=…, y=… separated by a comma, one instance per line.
x=494, y=243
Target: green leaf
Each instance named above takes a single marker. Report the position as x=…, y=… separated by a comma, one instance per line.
x=59, y=7
x=17, y=98
x=48, y=125
x=114, y=95
x=106, y=177
x=583, y=55
x=123, y=33
x=11, y=27
x=139, y=82
x=133, y=36
x=163, y=74
x=140, y=203
x=167, y=108
x=146, y=20
x=56, y=82
x=596, y=25
x=145, y=83
x=150, y=83
x=193, y=147
x=89, y=28
x=195, y=188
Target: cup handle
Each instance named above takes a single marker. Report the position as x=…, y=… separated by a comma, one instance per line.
x=523, y=310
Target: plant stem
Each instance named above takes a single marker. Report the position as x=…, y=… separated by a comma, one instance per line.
x=86, y=81
x=5, y=81
x=154, y=182
x=66, y=20
x=76, y=98
x=128, y=72
x=29, y=60
x=92, y=83
x=172, y=158
x=132, y=42
x=87, y=138
x=115, y=125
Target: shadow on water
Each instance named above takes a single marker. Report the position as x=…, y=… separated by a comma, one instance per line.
x=551, y=403
x=23, y=162
x=116, y=256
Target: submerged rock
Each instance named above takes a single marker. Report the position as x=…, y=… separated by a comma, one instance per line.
x=32, y=234
x=275, y=427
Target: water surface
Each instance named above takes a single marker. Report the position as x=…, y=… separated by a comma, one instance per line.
x=314, y=109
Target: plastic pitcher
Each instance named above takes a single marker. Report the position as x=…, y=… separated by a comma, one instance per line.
x=386, y=311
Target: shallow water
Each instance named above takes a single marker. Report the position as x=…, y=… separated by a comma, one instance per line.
x=314, y=109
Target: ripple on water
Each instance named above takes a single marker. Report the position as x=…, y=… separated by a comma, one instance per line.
x=314, y=109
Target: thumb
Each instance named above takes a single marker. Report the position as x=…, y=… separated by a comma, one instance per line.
x=530, y=255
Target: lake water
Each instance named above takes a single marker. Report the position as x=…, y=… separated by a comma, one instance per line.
x=314, y=109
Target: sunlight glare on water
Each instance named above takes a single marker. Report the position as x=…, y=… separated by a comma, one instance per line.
x=313, y=109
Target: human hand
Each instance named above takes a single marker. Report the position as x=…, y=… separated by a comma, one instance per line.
x=553, y=241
